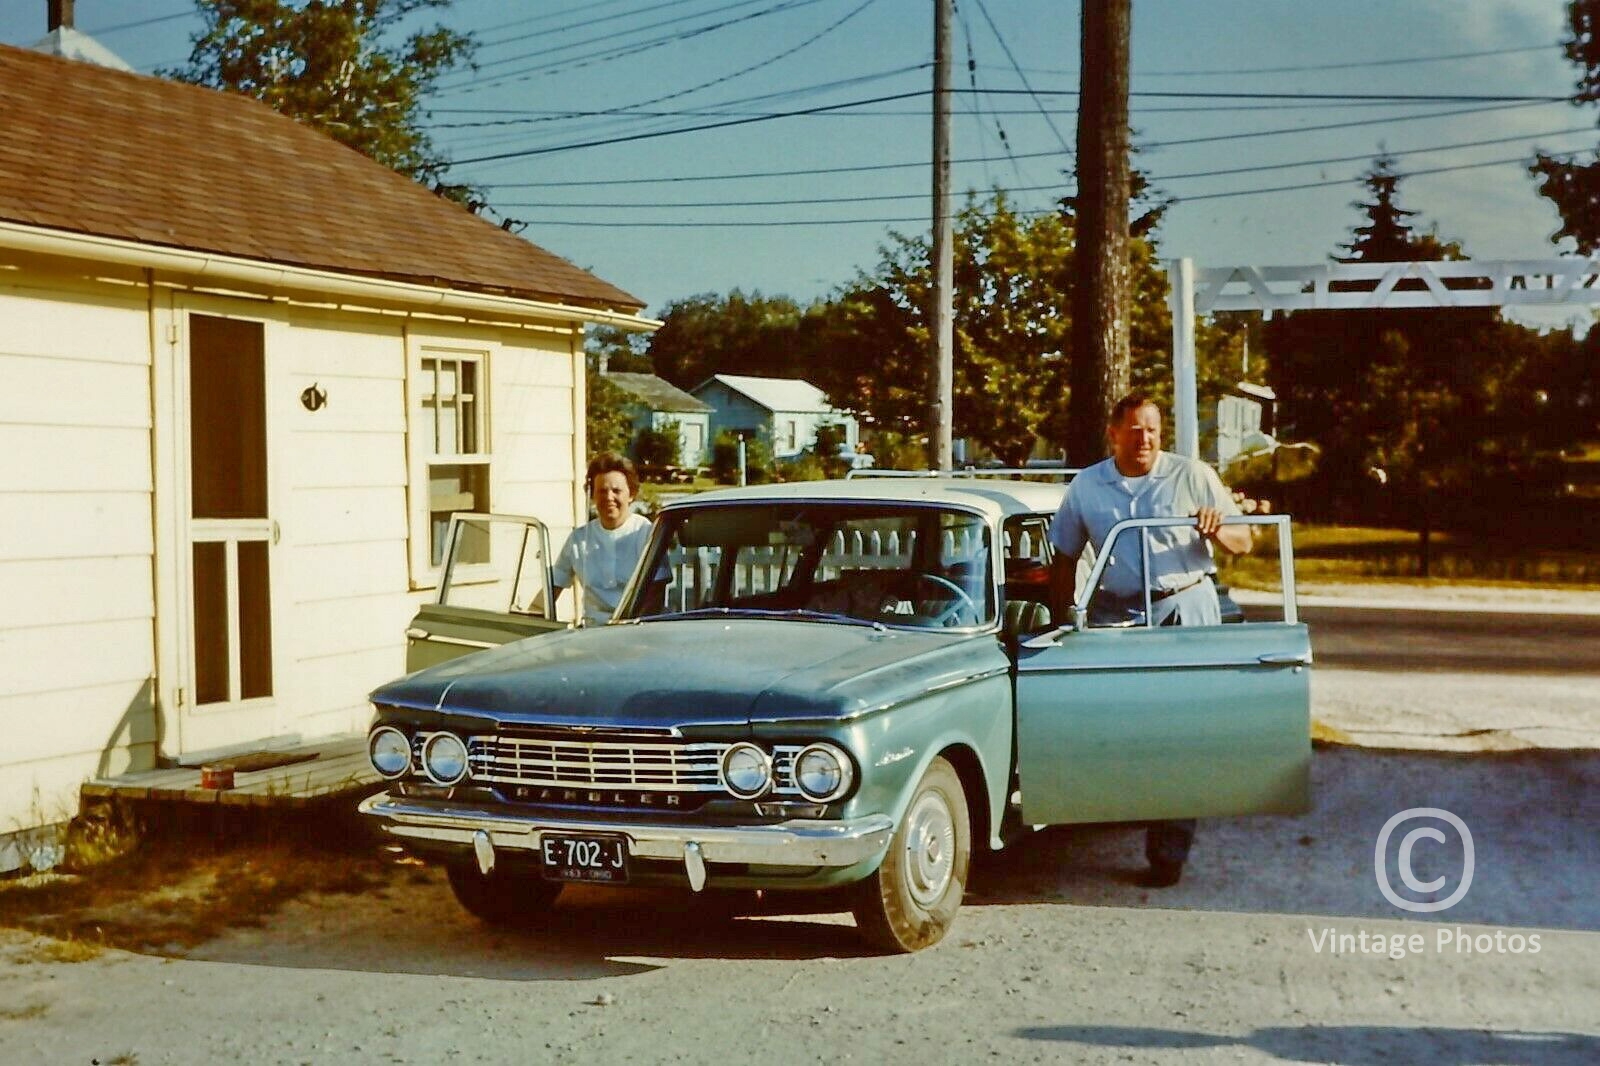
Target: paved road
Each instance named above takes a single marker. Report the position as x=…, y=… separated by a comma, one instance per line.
x=1058, y=956
x=1370, y=638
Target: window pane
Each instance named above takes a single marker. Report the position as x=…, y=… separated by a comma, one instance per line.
x=255, y=621
x=227, y=418
x=210, y=623
x=451, y=488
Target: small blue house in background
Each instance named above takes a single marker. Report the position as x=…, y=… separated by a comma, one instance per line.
x=785, y=412
x=656, y=403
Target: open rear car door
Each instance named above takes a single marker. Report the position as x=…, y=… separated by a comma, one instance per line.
x=494, y=587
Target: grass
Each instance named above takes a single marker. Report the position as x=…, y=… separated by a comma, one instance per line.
x=1357, y=554
x=182, y=888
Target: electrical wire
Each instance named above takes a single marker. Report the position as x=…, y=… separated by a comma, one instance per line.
x=1006, y=48
x=1052, y=187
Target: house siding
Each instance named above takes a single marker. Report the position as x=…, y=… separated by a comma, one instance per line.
x=76, y=547
x=81, y=680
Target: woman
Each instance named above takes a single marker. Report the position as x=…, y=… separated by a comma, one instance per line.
x=601, y=554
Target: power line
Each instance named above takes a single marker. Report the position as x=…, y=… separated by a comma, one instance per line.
x=522, y=153
x=524, y=56
x=688, y=129
x=622, y=51
x=882, y=167
x=1054, y=186
x=119, y=27
x=1304, y=68
x=1006, y=48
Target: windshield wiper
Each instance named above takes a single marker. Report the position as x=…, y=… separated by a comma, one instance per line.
x=762, y=612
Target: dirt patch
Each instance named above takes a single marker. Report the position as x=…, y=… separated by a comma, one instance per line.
x=184, y=886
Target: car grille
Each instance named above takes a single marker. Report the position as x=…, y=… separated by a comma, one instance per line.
x=646, y=766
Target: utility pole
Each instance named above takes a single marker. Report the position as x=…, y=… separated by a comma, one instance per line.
x=1100, y=351
x=941, y=333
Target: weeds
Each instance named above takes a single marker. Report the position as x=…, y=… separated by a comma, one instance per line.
x=184, y=886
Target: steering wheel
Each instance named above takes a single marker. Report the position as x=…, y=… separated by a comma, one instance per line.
x=958, y=601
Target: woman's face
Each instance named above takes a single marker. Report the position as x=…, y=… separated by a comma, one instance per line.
x=611, y=498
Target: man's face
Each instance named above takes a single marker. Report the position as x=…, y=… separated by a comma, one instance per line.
x=1136, y=440
x=611, y=498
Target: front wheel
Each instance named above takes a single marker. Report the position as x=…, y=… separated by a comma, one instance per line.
x=505, y=899
x=910, y=902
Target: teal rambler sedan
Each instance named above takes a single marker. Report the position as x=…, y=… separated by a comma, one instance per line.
x=829, y=684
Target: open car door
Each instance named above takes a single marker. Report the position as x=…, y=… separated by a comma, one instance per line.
x=1133, y=722
x=494, y=587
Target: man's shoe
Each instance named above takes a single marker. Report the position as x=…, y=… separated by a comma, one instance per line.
x=1163, y=875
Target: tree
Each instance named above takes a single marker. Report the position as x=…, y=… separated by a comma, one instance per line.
x=1574, y=188
x=1014, y=277
x=709, y=334
x=1411, y=406
x=326, y=63
x=607, y=426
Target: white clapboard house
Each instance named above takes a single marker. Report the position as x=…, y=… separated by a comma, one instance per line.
x=245, y=373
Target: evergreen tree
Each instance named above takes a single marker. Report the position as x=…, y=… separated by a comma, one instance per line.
x=1574, y=187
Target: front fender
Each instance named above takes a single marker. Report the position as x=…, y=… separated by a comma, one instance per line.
x=897, y=745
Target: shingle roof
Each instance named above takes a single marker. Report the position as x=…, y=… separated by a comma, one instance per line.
x=657, y=394
x=96, y=151
x=775, y=394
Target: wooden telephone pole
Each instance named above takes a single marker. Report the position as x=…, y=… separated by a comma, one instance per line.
x=940, y=331
x=1100, y=350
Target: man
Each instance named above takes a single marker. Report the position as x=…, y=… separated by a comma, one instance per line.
x=1140, y=480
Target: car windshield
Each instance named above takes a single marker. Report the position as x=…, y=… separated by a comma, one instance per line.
x=871, y=563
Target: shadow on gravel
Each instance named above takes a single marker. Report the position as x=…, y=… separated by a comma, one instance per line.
x=417, y=928
x=1352, y=1045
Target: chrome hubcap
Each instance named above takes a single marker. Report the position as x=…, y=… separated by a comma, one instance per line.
x=930, y=849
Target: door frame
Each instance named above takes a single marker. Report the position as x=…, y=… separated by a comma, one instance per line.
x=188, y=731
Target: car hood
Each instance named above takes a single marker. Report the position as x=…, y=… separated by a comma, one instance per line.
x=694, y=672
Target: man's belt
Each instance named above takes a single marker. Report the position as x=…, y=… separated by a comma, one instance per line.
x=1157, y=595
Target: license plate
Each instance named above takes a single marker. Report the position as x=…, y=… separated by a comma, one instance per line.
x=584, y=858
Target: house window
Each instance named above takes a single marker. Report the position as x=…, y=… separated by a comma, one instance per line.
x=450, y=452
x=791, y=436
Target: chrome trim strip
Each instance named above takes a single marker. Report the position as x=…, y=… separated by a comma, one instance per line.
x=982, y=675
x=1211, y=664
x=459, y=642
x=794, y=843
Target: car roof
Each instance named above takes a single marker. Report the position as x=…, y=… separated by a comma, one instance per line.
x=996, y=498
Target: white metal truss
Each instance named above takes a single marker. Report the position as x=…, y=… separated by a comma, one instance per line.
x=1570, y=281
x=1367, y=286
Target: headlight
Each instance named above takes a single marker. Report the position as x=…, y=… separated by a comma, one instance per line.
x=444, y=757
x=746, y=771
x=822, y=773
x=389, y=751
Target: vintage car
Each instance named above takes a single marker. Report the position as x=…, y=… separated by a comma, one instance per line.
x=828, y=684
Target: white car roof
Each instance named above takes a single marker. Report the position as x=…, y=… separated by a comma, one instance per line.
x=994, y=497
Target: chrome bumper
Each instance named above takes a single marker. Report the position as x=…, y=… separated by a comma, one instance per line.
x=792, y=843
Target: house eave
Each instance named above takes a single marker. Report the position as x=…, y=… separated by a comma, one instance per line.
x=222, y=270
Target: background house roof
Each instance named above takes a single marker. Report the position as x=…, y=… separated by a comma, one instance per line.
x=776, y=394
x=96, y=151
x=657, y=393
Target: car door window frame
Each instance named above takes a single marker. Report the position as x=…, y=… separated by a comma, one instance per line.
x=1080, y=611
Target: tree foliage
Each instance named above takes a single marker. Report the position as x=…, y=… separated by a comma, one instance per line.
x=1415, y=407
x=607, y=426
x=1573, y=187
x=331, y=64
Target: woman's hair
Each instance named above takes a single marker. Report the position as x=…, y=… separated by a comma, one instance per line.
x=611, y=462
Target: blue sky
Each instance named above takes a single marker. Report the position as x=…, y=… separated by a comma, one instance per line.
x=610, y=207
